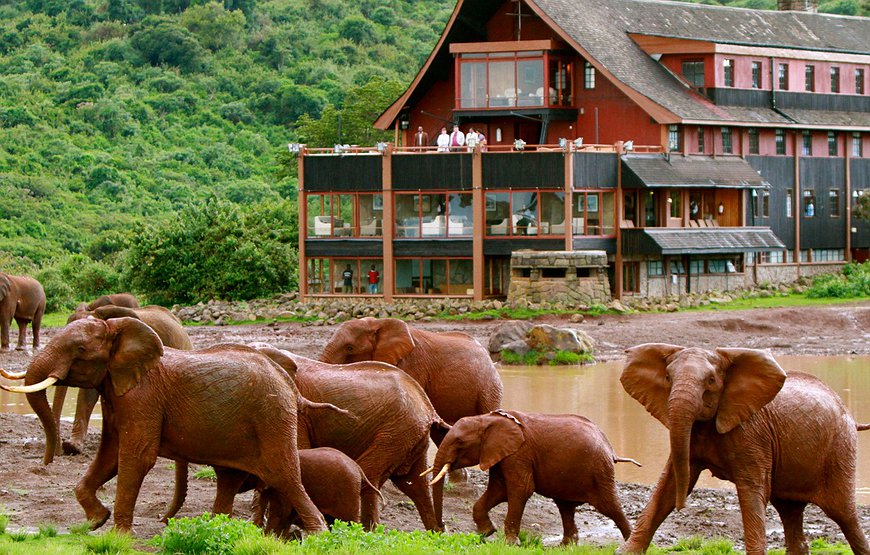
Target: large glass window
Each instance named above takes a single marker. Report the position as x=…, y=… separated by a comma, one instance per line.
x=345, y=276
x=561, y=83
x=593, y=213
x=673, y=138
x=675, y=204
x=434, y=215
x=473, y=84
x=693, y=72
x=700, y=140
x=434, y=276
x=507, y=79
x=344, y=215
x=525, y=213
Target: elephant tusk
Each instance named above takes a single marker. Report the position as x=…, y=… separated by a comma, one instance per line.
x=444, y=470
x=44, y=384
x=427, y=471
x=12, y=375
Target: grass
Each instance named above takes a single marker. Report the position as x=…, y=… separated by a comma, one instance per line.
x=537, y=358
x=792, y=300
x=206, y=473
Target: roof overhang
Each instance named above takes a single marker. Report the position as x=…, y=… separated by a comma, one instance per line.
x=676, y=171
x=665, y=241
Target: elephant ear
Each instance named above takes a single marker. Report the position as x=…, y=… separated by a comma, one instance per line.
x=393, y=341
x=502, y=437
x=5, y=285
x=136, y=349
x=643, y=377
x=752, y=379
x=109, y=311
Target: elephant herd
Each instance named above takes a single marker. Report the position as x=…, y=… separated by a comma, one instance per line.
x=320, y=437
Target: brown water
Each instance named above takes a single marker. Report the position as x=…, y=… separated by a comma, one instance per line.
x=595, y=392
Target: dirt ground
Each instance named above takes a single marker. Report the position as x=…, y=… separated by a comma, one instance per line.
x=33, y=494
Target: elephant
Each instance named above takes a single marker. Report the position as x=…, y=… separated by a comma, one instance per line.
x=21, y=298
x=455, y=371
x=117, y=299
x=780, y=437
x=168, y=328
x=388, y=437
x=561, y=456
x=228, y=405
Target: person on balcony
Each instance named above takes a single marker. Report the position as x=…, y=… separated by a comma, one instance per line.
x=457, y=139
x=443, y=141
x=421, y=138
x=471, y=139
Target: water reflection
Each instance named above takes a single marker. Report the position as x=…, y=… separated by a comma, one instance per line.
x=595, y=392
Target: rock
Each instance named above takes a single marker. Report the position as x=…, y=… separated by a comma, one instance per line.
x=519, y=347
x=549, y=339
x=617, y=306
x=508, y=332
x=576, y=318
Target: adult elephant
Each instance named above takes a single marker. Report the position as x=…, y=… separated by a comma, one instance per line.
x=21, y=298
x=388, y=433
x=456, y=372
x=228, y=405
x=165, y=324
x=783, y=438
x=116, y=299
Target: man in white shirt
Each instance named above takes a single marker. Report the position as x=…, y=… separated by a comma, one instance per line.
x=443, y=141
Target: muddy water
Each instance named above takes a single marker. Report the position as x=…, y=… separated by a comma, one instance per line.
x=595, y=392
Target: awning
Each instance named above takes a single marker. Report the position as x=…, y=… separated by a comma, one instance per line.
x=659, y=170
x=717, y=240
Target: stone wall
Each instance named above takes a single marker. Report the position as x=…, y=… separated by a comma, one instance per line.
x=573, y=277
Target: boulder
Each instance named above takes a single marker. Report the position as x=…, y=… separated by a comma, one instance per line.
x=545, y=338
x=509, y=332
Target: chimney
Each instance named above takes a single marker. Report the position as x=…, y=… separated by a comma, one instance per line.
x=810, y=6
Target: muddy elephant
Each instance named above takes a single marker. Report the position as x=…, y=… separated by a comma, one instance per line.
x=783, y=438
x=22, y=298
x=456, y=372
x=388, y=436
x=228, y=406
x=561, y=456
x=165, y=324
x=117, y=299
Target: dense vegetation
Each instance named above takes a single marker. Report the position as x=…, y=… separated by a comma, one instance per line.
x=120, y=119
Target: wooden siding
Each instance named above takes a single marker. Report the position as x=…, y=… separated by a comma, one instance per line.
x=790, y=100
x=779, y=172
x=435, y=248
x=822, y=231
x=607, y=244
x=524, y=170
x=413, y=172
x=506, y=246
x=343, y=173
x=595, y=170
x=344, y=248
x=860, y=171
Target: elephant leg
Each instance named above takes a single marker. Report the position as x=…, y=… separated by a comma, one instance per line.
x=843, y=511
x=661, y=504
x=608, y=505
x=517, y=496
x=5, y=322
x=103, y=468
x=495, y=493
x=752, y=509
x=35, y=326
x=417, y=488
x=134, y=462
x=181, y=468
x=229, y=483
x=792, y=515
x=569, y=526
x=85, y=403
x=280, y=466
x=22, y=334
x=56, y=411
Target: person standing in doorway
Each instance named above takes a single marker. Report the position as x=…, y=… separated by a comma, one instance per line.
x=347, y=275
x=374, y=277
x=421, y=138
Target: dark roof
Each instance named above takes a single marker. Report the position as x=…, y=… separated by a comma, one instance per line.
x=602, y=28
x=668, y=241
x=659, y=170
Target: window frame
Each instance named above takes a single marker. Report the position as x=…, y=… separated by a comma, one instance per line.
x=334, y=210
x=756, y=74
x=835, y=79
x=556, y=92
x=834, y=203
x=693, y=72
x=810, y=78
x=833, y=144
x=859, y=80
x=782, y=74
x=806, y=143
x=754, y=146
x=588, y=76
x=779, y=142
x=728, y=72
x=727, y=140
x=430, y=285
x=603, y=226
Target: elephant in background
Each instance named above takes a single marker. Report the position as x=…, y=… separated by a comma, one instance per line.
x=783, y=438
x=117, y=299
x=165, y=324
x=455, y=371
x=388, y=434
x=228, y=406
x=561, y=456
x=21, y=298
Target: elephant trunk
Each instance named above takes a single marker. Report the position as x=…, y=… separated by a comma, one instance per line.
x=38, y=371
x=331, y=355
x=684, y=406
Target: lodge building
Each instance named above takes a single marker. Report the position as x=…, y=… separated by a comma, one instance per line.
x=697, y=147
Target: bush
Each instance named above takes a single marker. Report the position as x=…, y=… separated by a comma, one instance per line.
x=206, y=534
x=853, y=281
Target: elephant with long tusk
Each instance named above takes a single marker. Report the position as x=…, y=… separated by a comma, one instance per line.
x=44, y=384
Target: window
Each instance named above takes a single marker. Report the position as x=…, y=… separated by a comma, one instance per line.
x=762, y=203
x=810, y=78
x=728, y=67
x=756, y=75
x=788, y=197
x=631, y=277
x=727, y=147
x=832, y=143
x=504, y=79
x=809, y=203
x=772, y=257
x=805, y=255
x=696, y=266
x=676, y=267
x=828, y=255
x=835, y=79
x=588, y=76
x=807, y=143
x=593, y=213
x=780, y=141
x=525, y=213
x=344, y=215
x=783, y=77
x=753, y=140
x=433, y=215
x=673, y=138
x=700, y=140
x=675, y=203
x=433, y=276
x=857, y=146
x=348, y=276
x=655, y=268
x=834, y=203
x=859, y=81
x=693, y=72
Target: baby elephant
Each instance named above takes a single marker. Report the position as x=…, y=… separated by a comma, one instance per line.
x=561, y=456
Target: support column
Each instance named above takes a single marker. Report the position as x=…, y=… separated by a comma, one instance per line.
x=303, y=223
x=796, y=255
x=617, y=270
x=848, y=159
x=388, y=223
x=478, y=206
x=569, y=196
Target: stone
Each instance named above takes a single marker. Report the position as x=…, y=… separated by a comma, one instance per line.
x=546, y=338
x=519, y=347
x=515, y=330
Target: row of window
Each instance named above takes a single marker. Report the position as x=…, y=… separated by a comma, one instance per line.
x=508, y=79
x=693, y=72
x=697, y=266
x=807, y=255
x=727, y=141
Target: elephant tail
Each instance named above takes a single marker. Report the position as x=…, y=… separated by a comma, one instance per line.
x=625, y=459
x=368, y=489
x=862, y=427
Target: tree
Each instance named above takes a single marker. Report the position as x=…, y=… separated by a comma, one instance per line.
x=862, y=206
x=214, y=27
x=160, y=41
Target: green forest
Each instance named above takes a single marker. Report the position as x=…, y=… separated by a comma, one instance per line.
x=143, y=142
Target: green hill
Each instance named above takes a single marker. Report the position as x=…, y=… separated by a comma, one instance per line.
x=119, y=119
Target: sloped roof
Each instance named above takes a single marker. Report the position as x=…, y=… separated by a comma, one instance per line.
x=666, y=241
x=599, y=30
x=657, y=170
